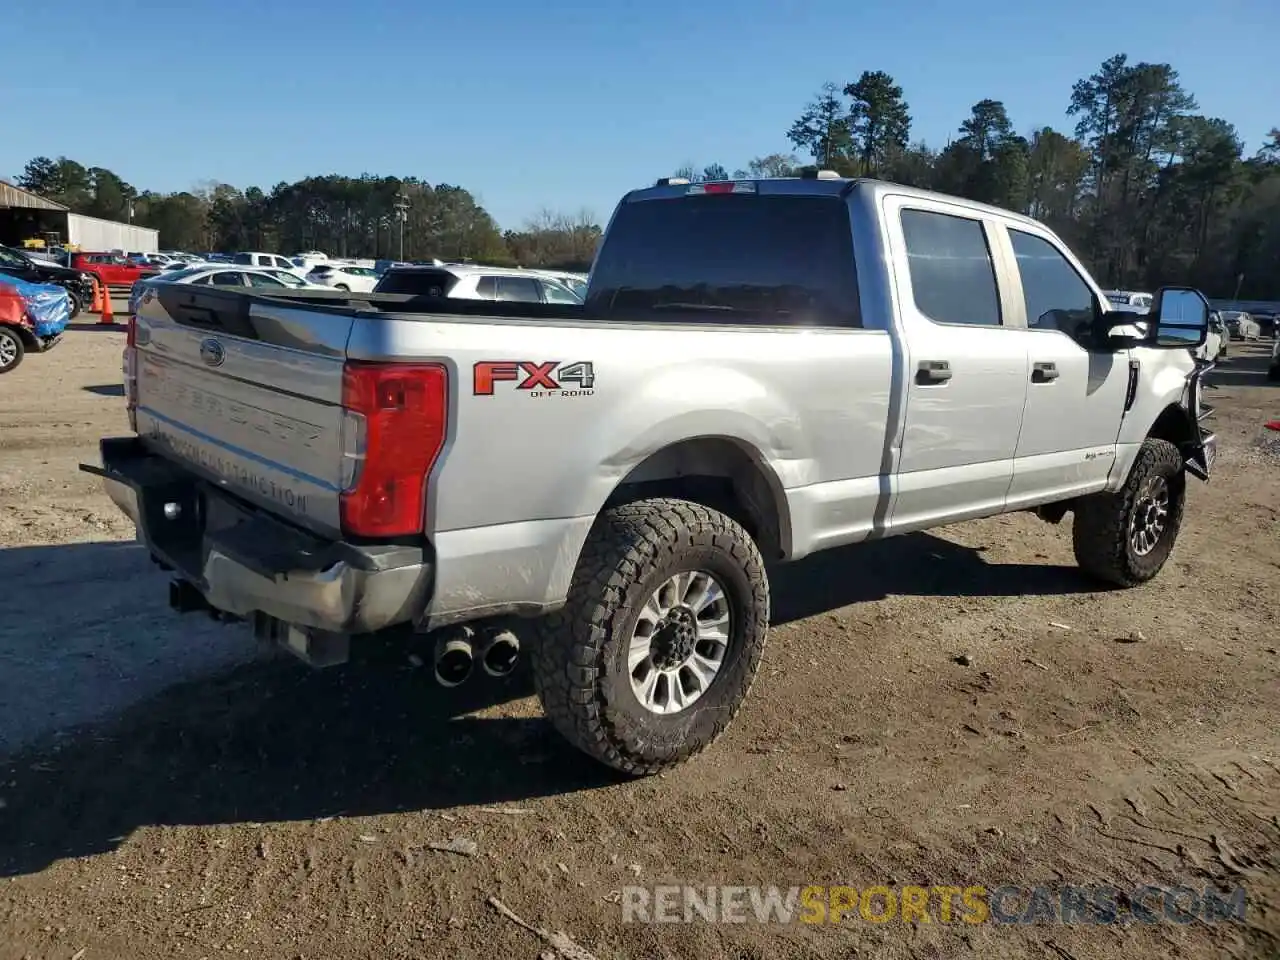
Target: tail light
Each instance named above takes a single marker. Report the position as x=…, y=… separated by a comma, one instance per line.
x=131, y=372
x=393, y=429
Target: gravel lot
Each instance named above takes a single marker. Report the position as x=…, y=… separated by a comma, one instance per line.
x=166, y=791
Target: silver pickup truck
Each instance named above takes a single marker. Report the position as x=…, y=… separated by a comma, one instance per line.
x=762, y=369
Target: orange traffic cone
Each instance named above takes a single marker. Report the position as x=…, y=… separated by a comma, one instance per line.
x=107, y=317
x=96, y=306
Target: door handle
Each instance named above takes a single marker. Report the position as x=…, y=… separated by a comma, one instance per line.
x=933, y=371
x=1044, y=372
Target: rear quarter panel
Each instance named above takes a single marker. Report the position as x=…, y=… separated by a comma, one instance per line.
x=809, y=404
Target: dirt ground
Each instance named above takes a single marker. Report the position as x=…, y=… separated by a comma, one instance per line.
x=166, y=791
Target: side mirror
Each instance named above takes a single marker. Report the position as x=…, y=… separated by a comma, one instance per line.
x=1179, y=319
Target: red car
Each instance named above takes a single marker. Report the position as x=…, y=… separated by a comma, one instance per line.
x=111, y=268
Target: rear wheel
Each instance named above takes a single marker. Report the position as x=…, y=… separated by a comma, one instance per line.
x=12, y=349
x=75, y=305
x=660, y=639
x=1125, y=537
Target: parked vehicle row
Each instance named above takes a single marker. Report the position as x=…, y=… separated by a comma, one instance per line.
x=471, y=282
x=761, y=370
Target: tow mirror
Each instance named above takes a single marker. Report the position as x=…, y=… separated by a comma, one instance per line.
x=1179, y=319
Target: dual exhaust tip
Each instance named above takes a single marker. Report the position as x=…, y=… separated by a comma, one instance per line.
x=458, y=649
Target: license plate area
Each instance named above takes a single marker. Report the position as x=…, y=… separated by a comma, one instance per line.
x=173, y=516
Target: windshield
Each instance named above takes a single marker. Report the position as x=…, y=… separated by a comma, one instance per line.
x=10, y=259
x=729, y=259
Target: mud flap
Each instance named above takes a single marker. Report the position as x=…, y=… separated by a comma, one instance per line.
x=1198, y=454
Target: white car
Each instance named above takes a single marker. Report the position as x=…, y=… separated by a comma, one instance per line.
x=220, y=275
x=343, y=277
x=474, y=282
x=1242, y=325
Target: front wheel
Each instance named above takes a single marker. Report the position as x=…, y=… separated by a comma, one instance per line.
x=342, y=286
x=73, y=302
x=660, y=639
x=11, y=349
x=1125, y=537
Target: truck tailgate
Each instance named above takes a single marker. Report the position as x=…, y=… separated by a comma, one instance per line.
x=249, y=396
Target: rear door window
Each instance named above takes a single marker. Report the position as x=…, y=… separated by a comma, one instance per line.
x=487, y=288
x=953, y=279
x=262, y=280
x=736, y=258
x=227, y=279
x=519, y=290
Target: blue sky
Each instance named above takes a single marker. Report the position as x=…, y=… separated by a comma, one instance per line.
x=565, y=106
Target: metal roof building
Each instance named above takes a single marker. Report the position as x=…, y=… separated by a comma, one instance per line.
x=27, y=216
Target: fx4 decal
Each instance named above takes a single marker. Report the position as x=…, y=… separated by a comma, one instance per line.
x=550, y=379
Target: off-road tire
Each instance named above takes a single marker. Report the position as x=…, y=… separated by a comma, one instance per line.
x=13, y=341
x=1100, y=532
x=580, y=655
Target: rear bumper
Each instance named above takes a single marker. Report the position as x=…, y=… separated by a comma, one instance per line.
x=244, y=561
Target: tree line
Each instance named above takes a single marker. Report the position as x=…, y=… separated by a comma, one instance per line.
x=1144, y=188
x=364, y=216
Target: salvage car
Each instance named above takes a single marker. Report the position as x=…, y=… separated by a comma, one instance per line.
x=220, y=275
x=763, y=369
x=33, y=317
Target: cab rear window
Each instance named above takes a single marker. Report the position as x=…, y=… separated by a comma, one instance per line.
x=734, y=259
